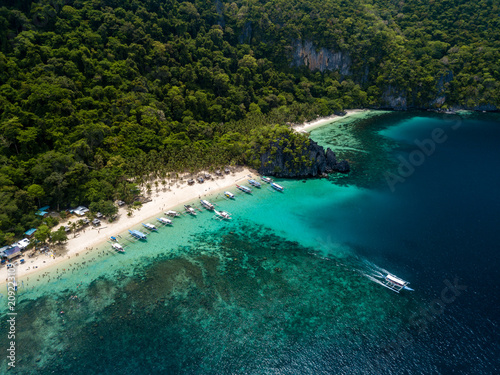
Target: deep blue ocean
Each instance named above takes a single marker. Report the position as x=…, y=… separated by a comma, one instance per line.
x=289, y=286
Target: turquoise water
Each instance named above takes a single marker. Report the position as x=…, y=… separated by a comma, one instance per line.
x=283, y=287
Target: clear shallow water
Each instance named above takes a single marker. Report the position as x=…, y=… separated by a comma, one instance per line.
x=280, y=289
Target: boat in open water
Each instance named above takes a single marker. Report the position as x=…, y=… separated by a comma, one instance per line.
x=173, y=213
x=149, y=226
x=277, y=187
x=190, y=210
x=206, y=204
x=223, y=215
x=229, y=195
x=116, y=246
x=137, y=234
x=395, y=283
x=244, y=189
x=254, y=183
x=164, y=221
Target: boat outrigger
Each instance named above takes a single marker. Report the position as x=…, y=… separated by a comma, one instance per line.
x=172, y=213
x=116, y=246
x=266, y=179
x=254, y=183
x=190, y=210
x=165, y=221
x=244, y=189
x=137, y=234
x=206, y=204
x=223, y=214
x=277, y=187
x=149, y=226
x=229, y=195
x=395, y=283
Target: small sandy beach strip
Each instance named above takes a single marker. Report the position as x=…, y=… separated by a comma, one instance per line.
x=308, y=126
x=89, y=238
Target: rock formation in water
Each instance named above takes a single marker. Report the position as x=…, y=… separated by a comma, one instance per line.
x=310, y=160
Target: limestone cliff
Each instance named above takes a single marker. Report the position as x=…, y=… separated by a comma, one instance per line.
x=305, y=53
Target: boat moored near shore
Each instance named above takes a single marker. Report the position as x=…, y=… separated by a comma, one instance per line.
x=116, y=246
x=244, y=189
x=267, y=180
x=173, y=213
x=149, y=226
x=164, y=221
x=190, y=210
x=207, y=204
x=229, y=195
x=137, y=234
x=277, y=187
x=254, y=183
x=222, y=215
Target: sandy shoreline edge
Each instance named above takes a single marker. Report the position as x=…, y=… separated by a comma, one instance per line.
x=91, y=238
x=321, y=121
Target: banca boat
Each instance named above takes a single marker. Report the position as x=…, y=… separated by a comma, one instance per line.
x=254, y=183
x=190, y=210
x=137, y=234
x=172, y=213
x=149, y=226
x=118, y=247
x=229, y=195
x=223, y=214
x=266, y=179
x=164, y=221
x=277, y=187
x=244, y=189
x=206, y=204
x=395, y=284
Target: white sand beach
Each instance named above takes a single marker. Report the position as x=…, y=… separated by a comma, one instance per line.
x=308, y=126
x=91, y=237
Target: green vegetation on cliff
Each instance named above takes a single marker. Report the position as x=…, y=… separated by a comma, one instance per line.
x=94, y=93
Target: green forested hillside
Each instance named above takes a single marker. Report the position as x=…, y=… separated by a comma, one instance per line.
x=96, y=92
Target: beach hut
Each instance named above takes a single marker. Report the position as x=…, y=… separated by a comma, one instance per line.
x=12, y=252
x=29, y=233
x=81, y=210
x=44, y=211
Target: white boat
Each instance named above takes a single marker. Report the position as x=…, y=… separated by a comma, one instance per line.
x=223, y=214
x=149, y=226
x=266, y=179
x=395, y=283
x=206, y=204
x=277, y=187
x=244, y=188
x=165, y=221
x=190, y=210
x=172, y=213
x=229, y=195
x=254, y=183
x=117, y=247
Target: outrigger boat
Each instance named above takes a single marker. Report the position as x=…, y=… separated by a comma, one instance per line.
x=206, y=204
x=190, y=210
x=165, y=221
x=172, y=213
x=223, y=214
x=229, y=195
x=277, y=187
x=254, y=183
x=137, y=234
x=113, y=238
x=118, y=247
x=266, y=179
x=149, y=226
x=244, y=189
x=395, y=283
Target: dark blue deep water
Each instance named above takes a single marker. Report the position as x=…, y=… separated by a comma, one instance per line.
x=284, y=288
